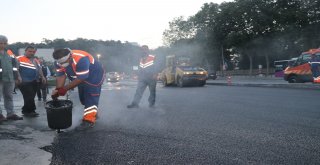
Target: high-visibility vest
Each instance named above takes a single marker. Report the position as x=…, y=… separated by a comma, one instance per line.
x=14, y=65
x=76, y=56
x=28, y=70
x=146, y=68
x=147, y=62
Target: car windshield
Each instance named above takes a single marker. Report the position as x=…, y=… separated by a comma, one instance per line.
x=190, y=68
x=112, y=73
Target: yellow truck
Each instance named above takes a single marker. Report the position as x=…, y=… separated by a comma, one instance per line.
x=180, y=72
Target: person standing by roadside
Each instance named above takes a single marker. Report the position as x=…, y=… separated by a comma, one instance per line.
x=30, y=71
x=9, y=75
x=43, y=88
x=147, y=77
x=315, y=64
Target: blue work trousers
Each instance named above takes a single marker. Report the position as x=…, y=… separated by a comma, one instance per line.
x=142, y=84
x=89, y=95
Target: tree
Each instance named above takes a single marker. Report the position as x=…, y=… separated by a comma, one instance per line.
x=178, y=29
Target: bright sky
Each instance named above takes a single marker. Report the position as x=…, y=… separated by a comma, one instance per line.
x=141, y=21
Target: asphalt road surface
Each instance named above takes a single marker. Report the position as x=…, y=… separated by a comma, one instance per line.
x=197, y=125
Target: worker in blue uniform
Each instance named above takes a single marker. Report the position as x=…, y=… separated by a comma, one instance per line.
x=86, y=73
x=315, y=67
x=147, y=77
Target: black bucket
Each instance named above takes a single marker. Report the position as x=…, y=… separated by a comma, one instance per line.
x=59, y=114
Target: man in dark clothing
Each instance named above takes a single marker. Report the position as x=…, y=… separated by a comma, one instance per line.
x=43, y=88
x=147, y=77
x=315, y=63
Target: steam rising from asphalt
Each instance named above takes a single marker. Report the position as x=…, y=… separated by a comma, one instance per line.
x=113, y=112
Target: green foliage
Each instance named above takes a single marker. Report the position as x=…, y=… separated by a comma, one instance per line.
x=115, y=55
x=274, y=29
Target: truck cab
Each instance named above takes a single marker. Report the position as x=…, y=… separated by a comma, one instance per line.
x=299, y=70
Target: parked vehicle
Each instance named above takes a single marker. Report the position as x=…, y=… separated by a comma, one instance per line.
x=212, y=75
x=300, y=70
x=280, y=66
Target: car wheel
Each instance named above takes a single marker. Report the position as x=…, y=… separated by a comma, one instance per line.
x=202, y=83
x=214, y=77
x=164, y=82
x=180, y=82
x=293, y=79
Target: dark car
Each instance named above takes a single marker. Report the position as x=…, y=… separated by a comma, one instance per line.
x=212, y=75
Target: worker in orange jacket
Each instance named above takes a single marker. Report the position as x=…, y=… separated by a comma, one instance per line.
x=31, y=74
x=147, y=77
x=86, y=73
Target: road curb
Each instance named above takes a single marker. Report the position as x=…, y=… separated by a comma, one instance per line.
x=293, y=86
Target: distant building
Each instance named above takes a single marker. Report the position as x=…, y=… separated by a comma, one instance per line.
x=46, y=54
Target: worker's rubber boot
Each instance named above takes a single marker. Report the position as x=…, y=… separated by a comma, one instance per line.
x=85, y=125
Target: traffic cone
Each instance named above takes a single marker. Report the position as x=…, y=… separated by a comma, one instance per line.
x=229, y=80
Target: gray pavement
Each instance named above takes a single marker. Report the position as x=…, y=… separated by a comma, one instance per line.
x=24, y=141
x=28, y=141
x=257, y=81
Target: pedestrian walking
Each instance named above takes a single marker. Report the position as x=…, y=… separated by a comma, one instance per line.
x=31, y=74
x=84, y=72
x=147, y=77
x=9, y=76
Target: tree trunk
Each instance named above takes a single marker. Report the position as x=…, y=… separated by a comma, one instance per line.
x=267, y=64
x=251, y=65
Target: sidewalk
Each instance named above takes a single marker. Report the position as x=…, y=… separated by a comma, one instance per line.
x=256, y=81
x=22, y=141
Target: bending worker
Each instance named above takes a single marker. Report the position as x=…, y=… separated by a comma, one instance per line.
x=84, y=72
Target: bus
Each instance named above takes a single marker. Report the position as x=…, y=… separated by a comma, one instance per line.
x=280, y=66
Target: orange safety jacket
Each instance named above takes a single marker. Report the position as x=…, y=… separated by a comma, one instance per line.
x=76, y=56
x=149, y=61
x=147, y=68
x=95, y=77
x=29, y=71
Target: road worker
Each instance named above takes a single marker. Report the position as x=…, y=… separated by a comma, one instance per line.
x=315, y=68
x=147, y=77
x=86, y=73
x=31, y=74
